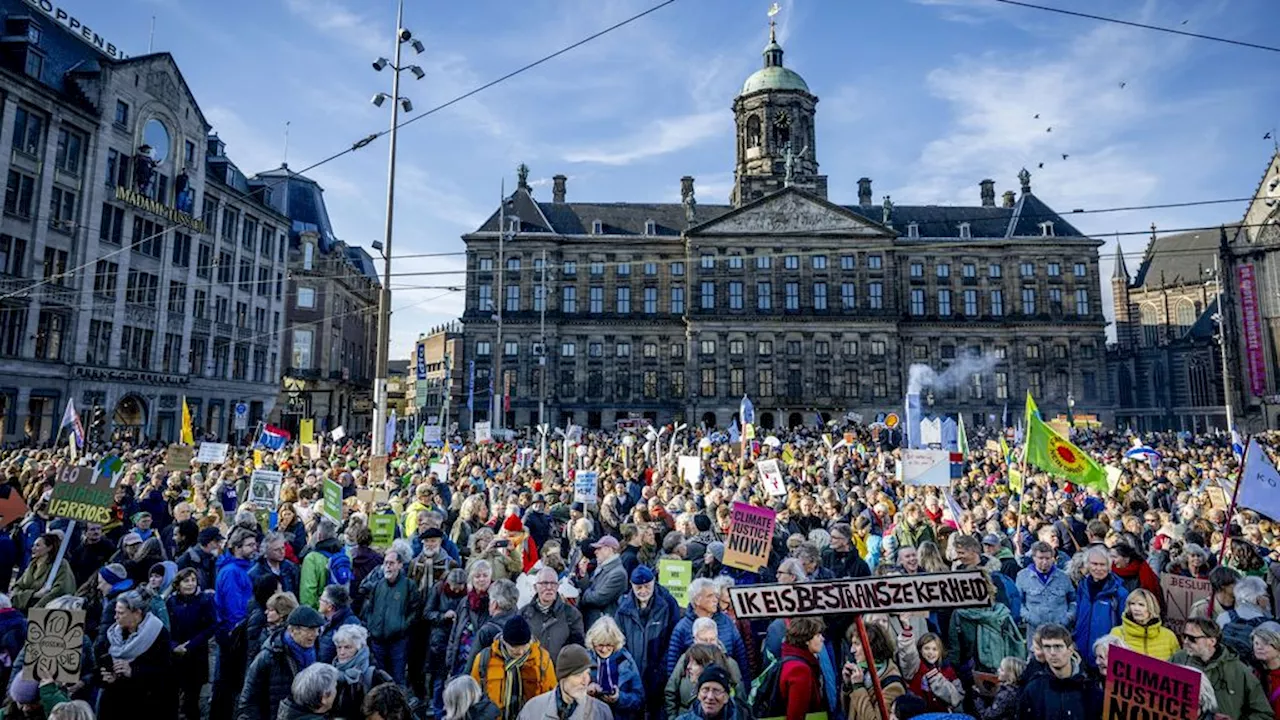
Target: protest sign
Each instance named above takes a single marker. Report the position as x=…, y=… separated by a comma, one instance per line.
x=993, y=446
x=332, y=500
x=1180, y=593
x=213, y=453
x=383, y=528
x=12, y=506
x=311, y=451
x=177, y=458
x=338, y=433
x=585, y=490
x=888, y=594
x=1113, y=478
x=431, y=435
x=484, y=433
x=750, y=537
x=264, y=488
x=441, y=470
x=378, y=470
x=81, y=494
x=926, y=467
x=1217, y=497
x=1139, y=686
x=54, y=641
x=306, y=431
x=771, y=476
x=690, y=468
x=675, y=575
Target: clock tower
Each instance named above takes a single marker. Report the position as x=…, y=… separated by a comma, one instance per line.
x=776, y=141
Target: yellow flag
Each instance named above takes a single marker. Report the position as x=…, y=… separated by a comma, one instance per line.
x=748, y=432
x=188, y=437
x=788, y=457
x=306, y=431
x=257, y=458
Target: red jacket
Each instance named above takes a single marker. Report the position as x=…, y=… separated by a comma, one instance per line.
x=1140, y=575
x=798, y=682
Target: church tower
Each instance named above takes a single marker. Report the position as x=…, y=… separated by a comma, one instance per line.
x=776, y=144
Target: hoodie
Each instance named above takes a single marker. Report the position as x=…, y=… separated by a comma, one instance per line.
x=232, y=592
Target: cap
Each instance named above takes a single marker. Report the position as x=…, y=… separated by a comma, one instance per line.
x=539, y=498
x=210, y=534
x=303, y=616
x=573, y=660
x=608, y=541
x=433, y=533
x=642, y=575
x=516, y=631
x=132, y=538
x=992, y=539
x=116, y=576
x=702, y=522
x=716, y=548
x=715, y=674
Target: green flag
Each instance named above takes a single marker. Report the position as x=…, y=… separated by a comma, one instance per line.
x=962, y=439
x=1056, y=455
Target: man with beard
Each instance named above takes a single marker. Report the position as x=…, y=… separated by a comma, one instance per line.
x=647, y=617
x=554, y=622
x=570, y=699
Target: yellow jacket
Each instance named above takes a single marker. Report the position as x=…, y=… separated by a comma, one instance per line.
x=1154, y=640
x=537, y=674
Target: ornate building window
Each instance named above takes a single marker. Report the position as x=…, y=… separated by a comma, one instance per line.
x=753, y=131
x=1184, y=316
x=1149, y=318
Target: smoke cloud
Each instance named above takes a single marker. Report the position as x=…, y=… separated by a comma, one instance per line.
x=923, y=377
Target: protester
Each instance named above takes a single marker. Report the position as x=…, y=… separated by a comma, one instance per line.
x=135, y=656
x=513, y=668
x=192, y=618
x=614, y=676
x=554, y=621
x=570, y=699
x=1141, y=629
x=1234, y=684
x=270, y=676
x=464, y=700
x=357, y=675
x=312, y=694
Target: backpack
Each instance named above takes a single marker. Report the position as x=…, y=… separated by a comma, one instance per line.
x=340, y=572
x=765, y=698
x=1237, y=635
x=1007, y=594
x=993, y=647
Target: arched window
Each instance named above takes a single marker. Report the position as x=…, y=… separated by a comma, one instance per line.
x=753, y=131
x=1184, y=316
x=1198, y=380
x=1149, y=317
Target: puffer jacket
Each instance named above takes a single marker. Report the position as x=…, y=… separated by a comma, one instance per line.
x=648, y=635
x=680, y=694
x=1153, y=639
x=682, y=639
x=631, y=700
x=1240, y=695
x=268, y=681
x=315, y=571
x=1096, y=614
x=557, y=626
x=233, y=591
x=1049, y=697
x=1043, y=602
x=537, y=673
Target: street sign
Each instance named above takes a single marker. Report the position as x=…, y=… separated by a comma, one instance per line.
x=241, y=416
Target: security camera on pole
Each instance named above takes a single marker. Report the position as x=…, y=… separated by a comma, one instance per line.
x=380, y=408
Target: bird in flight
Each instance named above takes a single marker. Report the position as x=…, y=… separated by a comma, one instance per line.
x=1065, y=156
x=1123, y=84
x=1049, y=129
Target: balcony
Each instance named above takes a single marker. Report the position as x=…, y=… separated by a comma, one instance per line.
x=57, y=295
x=225, y=329
x=201, y=325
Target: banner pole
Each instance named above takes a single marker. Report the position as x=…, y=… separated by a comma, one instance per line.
x=871, y=667
x=1226, y=526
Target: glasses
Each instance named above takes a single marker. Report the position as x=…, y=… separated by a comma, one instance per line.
x=714, y=692
x=547, y=584
x=1187, y=637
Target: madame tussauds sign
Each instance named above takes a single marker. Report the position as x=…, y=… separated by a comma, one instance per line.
x=78, y=28
x=892, y=593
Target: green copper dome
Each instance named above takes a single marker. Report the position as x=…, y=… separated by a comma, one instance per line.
x=774, y=78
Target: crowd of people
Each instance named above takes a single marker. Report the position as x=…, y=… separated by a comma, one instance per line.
x=498, y=597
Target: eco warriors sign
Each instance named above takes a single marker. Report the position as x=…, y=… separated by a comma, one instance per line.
x=83, y=493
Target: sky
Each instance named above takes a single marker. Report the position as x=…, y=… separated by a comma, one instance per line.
x=926, y=97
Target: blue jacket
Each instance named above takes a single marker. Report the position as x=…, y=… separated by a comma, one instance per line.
x=682, y=639
x=648, y=636
x=631, y=696
x=290, y=575
x=326, y=651
x=191, y=621
x=1046, y=602
x=1096, y=616
x=233, y=591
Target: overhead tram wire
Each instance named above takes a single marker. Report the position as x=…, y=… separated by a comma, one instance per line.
x=1143, y=26
x=373, y=136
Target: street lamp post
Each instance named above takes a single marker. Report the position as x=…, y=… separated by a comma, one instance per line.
x=380, y=404
x=1222, y=345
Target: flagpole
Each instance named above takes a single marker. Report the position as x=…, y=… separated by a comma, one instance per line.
x=1235, y=494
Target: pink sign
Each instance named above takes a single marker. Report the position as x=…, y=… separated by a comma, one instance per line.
x=750, y=537
x=1252, y=330
x=1141, y=686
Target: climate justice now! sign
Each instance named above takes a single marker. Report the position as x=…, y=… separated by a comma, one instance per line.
x=750, y=537
x=1144, y=688
x=895, y=593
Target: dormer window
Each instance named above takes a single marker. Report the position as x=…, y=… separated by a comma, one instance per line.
x=1046, y=228
x=913, y=230
x=650, y=227
x=965, y=232
x=597, y=227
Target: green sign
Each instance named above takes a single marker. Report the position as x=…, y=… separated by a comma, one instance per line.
x=383, y=528
x=675, y=575
x=333, y=500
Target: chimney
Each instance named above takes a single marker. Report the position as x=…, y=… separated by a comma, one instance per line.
x=864, y=191
x=1009, y=198
x=557, y=188
x=988, y=193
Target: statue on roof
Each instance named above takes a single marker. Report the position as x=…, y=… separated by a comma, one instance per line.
x=789, y=160
x=887, y=214
x=522, y=176
x=1024, y=178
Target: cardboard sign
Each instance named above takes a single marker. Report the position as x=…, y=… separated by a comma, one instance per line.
x=264, y=488
x=306, y=431
x=675, y=575
x=212, y=453
x=54, y=641
x=690, y=468
x=81, y=494
x=1139, y=686
x=1113, y=478
x=889, y=594
x=177, y=458
x=484, y=433
x=1217, y=497
x=383, y=528
x=378, y=470
x=585, y=487
x=1180, y=593
x=311, y=451
x=750, y=537
x=926, y=467
x=332, y=500
x=771, y=476
x=371, y=498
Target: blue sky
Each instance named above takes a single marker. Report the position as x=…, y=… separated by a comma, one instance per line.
x=926, y=97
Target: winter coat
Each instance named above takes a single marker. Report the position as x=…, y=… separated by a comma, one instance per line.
x=206, y=565
x=983, y=637
x=390, y=608
x=559, y=625
x=440, y=602
x=233, y=591
x=845, y=565
x=150, y=691
x=546, y=707
x=364, y=561
x=483, y=709
x=860, y=701
x=631, y=699
x=350, y=700
x=87, y=558
x=942, y=696
x=1046, y=602
x=462, y=636
x=601, y=594
x=1154, y=639
x=268, y=681
x=1049, y=697
x=1240, y=695
x=191, y=621
x=290, y=575
x=682, y=639
x=315, y=571
x=326, y=651
x=799, y=682
x=1097, y=614
x=648, y=634
x=13, y=636
x=680, y=693
x=33, y=579
x=1002, y=707
x=537, y=673
x=906, y=535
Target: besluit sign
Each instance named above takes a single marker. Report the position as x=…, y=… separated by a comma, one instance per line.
x=77, y=28
x=173, y=215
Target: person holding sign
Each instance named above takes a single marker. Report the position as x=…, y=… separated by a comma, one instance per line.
x=1141, y=630
x=1239, y=694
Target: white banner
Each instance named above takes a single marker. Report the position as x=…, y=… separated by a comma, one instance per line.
x=212, y=452
x=338, y=433
x=264, y=488
x=931, y=432
x=888, y=594
x=441, y=469
x=585, y=489
x=484, y=432
x=690, y=468
x=431, y=435
x=771, y=476
x=926, y=467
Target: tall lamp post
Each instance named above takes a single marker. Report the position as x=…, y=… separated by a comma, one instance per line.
x=380, y=409
x=1221, y=318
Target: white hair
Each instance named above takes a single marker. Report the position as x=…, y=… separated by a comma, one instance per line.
x=312, y=685
x=705, y=624
x=357, y=635
x=1249, y=590
x=700, y=586
x=459, y=695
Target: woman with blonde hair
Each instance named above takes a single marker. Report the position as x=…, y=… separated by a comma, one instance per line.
x=615, y=679
x=1140, y=627
x=1266, y=649
x=931, y=559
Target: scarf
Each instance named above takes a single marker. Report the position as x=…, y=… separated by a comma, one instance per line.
x=512, y=685
x=304, y=657
x=565, y=705
x=477, y=601
x=353, y=670
x=607, y=674
x=122, y=648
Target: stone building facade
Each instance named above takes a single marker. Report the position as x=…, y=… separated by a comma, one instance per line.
x=809, y=306
x=442, y=393
x=135, y=268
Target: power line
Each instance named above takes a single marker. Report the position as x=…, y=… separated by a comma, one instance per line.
x=1144, y=26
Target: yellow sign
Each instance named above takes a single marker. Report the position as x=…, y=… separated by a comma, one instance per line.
x=257, y=458
x=306, y=431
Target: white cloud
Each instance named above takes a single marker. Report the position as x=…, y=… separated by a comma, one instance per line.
x=334, y=18
x=660, y=137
